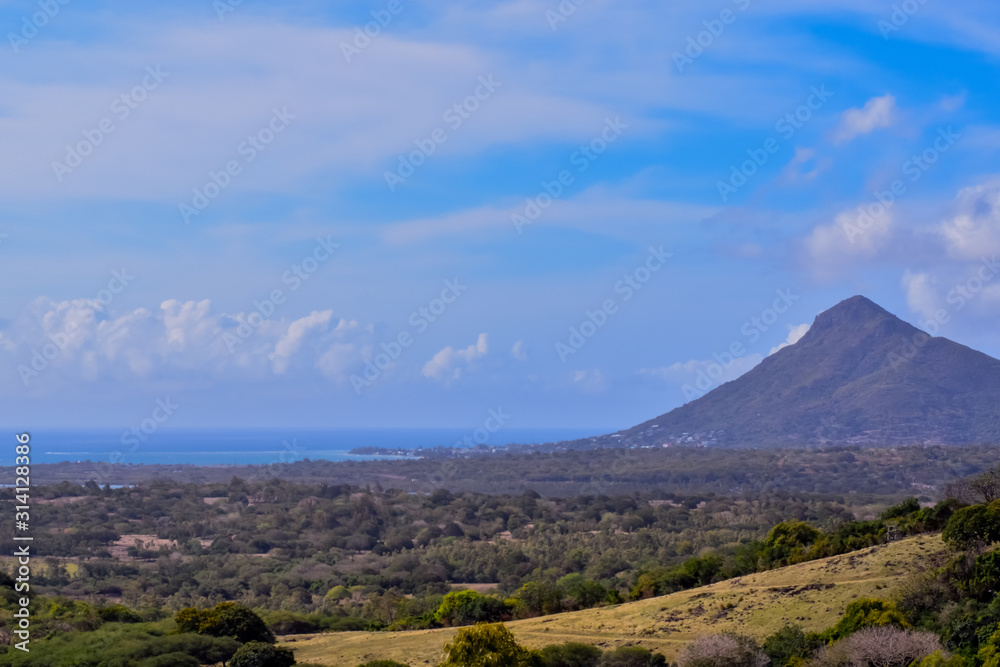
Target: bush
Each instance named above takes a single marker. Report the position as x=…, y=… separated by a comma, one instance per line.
x=227, y=619
x=570, y=654
x=118, y=613
x=260, y=654
x=789, y=643
x=631, y=656
x=973, y=526
x=723, y=650
x=487, y=645
x=468, y=607
x=884, y=646
x=866, y=613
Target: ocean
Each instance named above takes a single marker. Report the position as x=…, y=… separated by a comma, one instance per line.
x=261, y=446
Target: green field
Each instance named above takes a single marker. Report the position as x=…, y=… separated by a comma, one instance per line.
x=812, y=595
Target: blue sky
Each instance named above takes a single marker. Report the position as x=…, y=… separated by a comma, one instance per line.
x=244, y=208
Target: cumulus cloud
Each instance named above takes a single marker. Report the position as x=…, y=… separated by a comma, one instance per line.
x=517, y=351
x=291, y=342
x=82, y=341
x=921, y=295
x=853, y=235
x=449, y=362
x=974, y=230
x=705, y=372
x=795, y=334
x=878, y=112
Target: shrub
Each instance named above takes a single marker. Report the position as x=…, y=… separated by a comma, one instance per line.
x=227, y=619
x=487, y=645
x=570, y=654
x=117, y=613
x=884, y=646
x=468, y=607
x=866, y=613
x=789, y=643
x=260, y=654
x=973, y=526
x=723, y=650
x=631, y=656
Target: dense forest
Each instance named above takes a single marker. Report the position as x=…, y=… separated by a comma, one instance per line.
x=899, y=471
x=183, y=564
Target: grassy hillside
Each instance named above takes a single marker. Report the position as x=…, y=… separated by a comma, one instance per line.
x=812, y=595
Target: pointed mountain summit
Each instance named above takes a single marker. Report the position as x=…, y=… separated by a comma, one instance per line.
x=860, y=375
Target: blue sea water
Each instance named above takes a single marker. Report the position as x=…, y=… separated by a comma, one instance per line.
x=260, y=446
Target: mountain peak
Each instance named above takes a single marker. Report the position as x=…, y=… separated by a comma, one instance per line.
x=859, y=375
x=857, y=316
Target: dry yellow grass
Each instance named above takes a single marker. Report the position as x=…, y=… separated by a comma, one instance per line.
x=812, y=595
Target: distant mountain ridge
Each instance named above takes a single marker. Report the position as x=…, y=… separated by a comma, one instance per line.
x=860, y=375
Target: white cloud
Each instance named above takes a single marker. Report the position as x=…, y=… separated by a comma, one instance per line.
x=921, y=295
x=689, y=372
x=974, y=230
x=81, y=341
x=291, y=341
x=853, y=235
x=878, y=112
x=449, y=362
x=795, y=334
x=517, y=351
x=588, y=211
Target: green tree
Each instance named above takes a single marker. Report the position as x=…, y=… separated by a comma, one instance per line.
x=788, y=643
x=488, y=645
x=537, y=598
x=260, y=654
x=973, y=526
x=570, y=654
x=227, y=619
x=866, y=613
x=787, y=542
x=467, y=607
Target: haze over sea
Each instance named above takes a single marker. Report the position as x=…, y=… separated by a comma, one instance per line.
x=263, y=446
